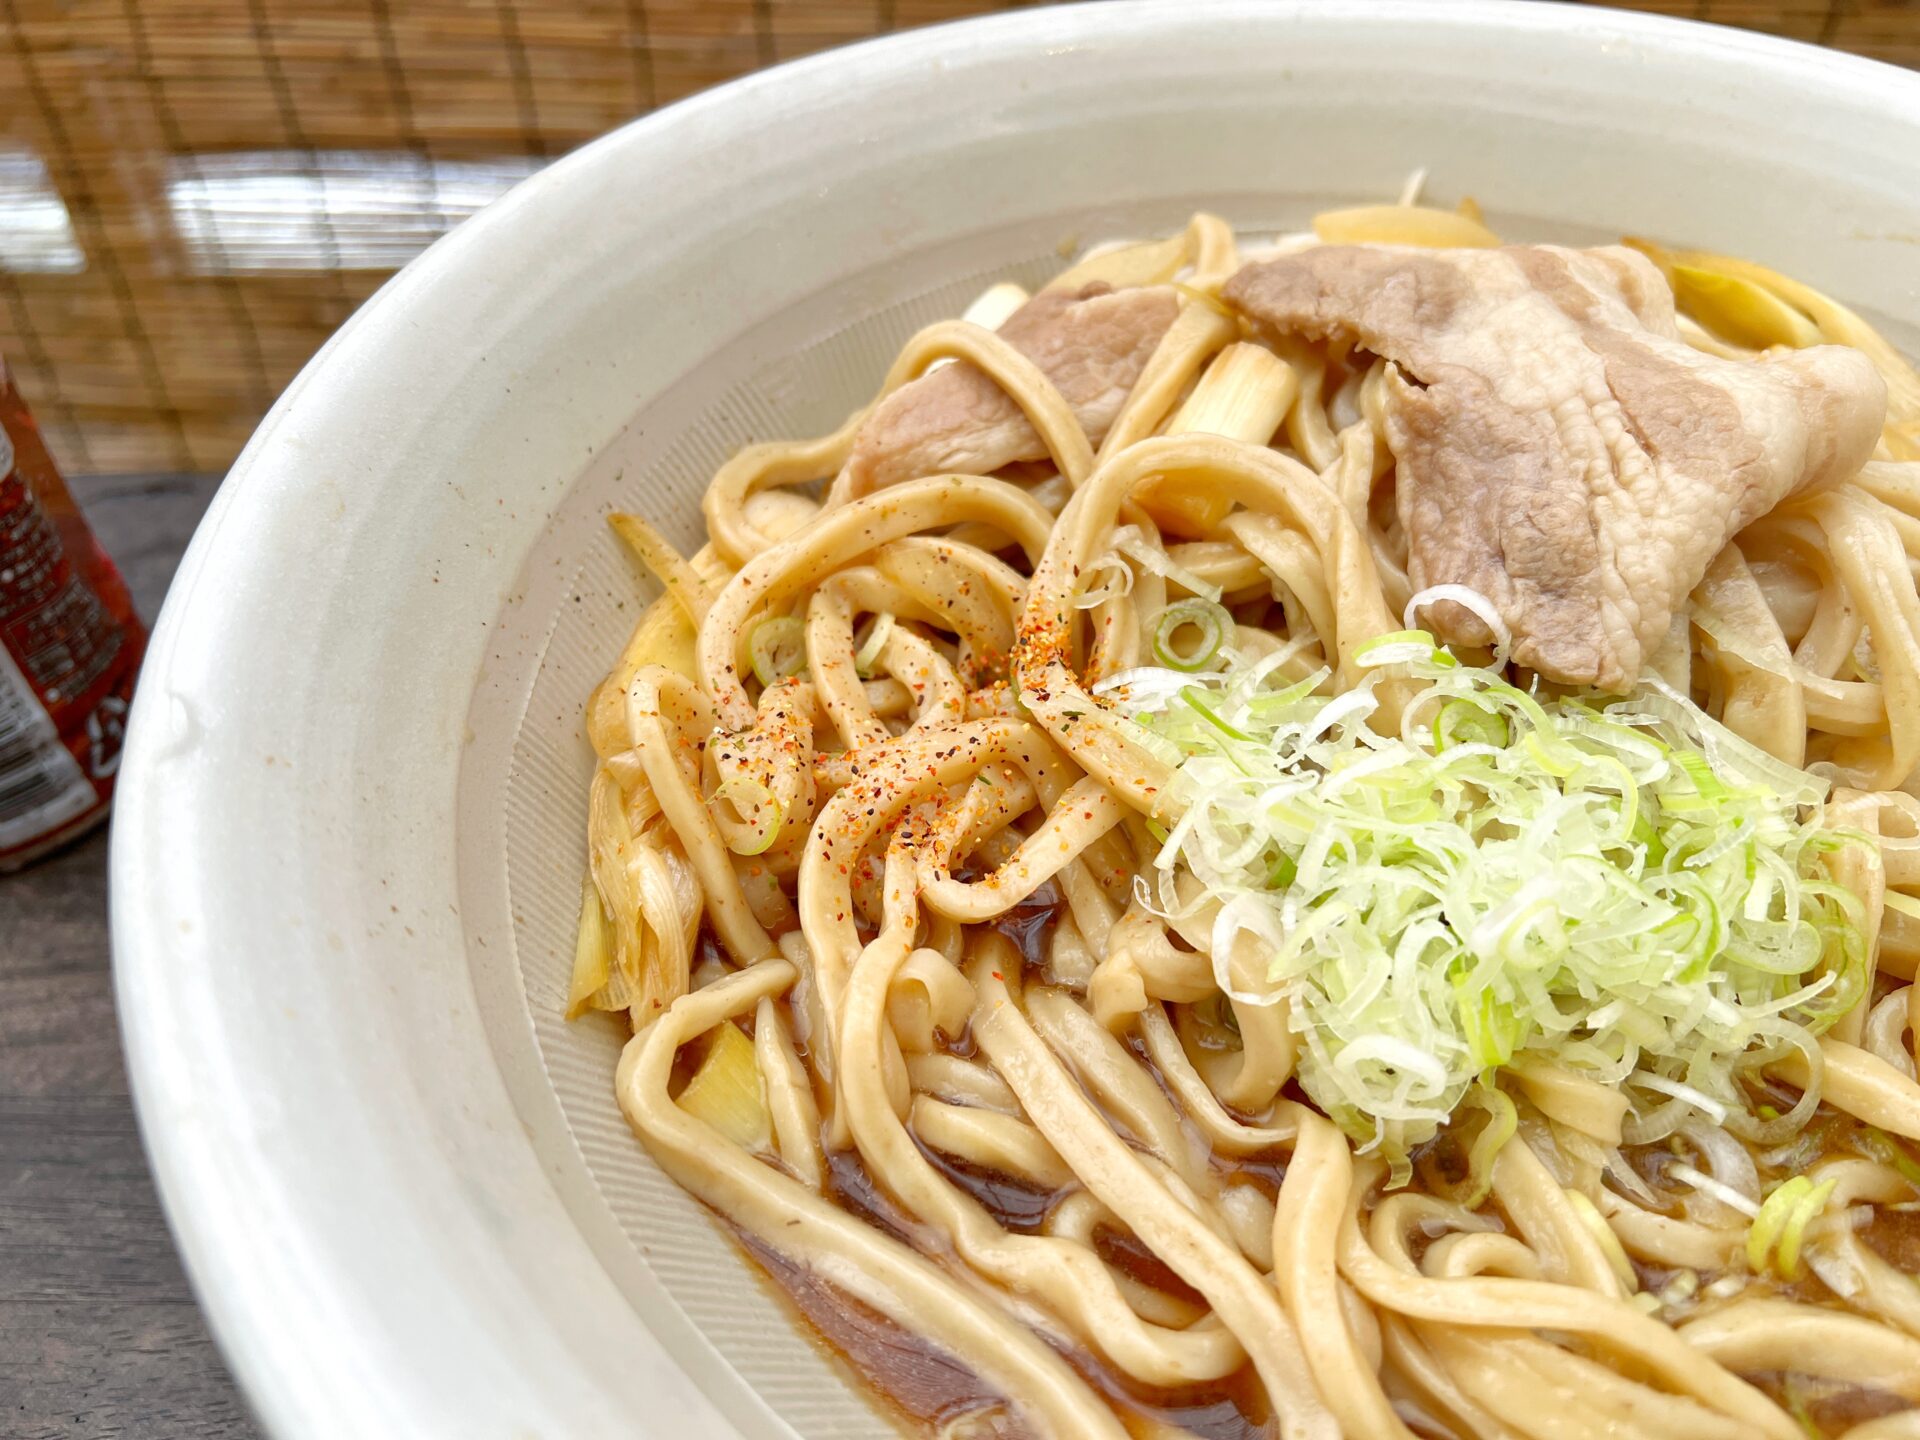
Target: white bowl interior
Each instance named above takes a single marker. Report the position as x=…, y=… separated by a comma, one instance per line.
x=346, y=884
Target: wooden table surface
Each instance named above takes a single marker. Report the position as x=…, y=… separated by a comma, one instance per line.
x=99, y=1333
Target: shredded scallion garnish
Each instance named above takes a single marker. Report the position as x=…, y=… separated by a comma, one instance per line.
x=1779, y=1229
x=1620, y=886
x=778, y=649
x=760, y=814
x=867, y=657
x=1189, y=634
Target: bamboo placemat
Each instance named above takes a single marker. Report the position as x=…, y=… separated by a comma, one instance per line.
x=194, y=193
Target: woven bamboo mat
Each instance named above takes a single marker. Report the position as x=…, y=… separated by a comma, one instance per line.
x=194, y=193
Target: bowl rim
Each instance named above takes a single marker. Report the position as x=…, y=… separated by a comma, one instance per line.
x=200, y=1197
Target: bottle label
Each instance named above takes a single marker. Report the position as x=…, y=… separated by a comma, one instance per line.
x=53, y=621
x=42, y=786
x=70, y=650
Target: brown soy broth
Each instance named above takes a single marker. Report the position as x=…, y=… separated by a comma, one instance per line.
x=1830, y=1406
x=1029, y=925
x=1894, y=1235
x=1234, y=1409
x=1014, y=1205
x=924, y=1385
x=1134, y=1260
x=851, y=1188
x=928, y=1388
x=1220, y=1412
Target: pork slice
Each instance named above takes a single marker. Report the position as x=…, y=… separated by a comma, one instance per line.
x=1091, y=343
x=1559, y=449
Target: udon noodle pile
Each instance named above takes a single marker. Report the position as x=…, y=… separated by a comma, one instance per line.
x=908, y=864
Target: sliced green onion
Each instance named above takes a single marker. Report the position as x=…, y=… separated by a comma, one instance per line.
x=1503, y=1119
x=1772, y=1219
x=1128, y=541
x=868, y=655
x=778, y=649
x=1621, y=887
x=1212, y=622
x=1398, y=647
x=1467, y=599
x=1701, y=774
x=1786, y=1255
x=1718, y=1189
x=1212, y=716
x=1493, y=1028
x=1461, y=722
x=1116, y=583
x=759, y=813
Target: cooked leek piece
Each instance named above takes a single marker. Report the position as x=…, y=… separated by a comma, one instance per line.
x=1154, y=262
x=1244, y=395
x=727, y=1091
x=662, y=636
x=1403, y=225
x=1739, y=311
x=673, y=570
x=592, y=952
x=1836, y=323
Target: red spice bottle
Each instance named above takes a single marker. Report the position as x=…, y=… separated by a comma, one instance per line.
x=70, y=647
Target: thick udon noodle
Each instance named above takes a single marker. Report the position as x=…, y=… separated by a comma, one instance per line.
x=895, y=1030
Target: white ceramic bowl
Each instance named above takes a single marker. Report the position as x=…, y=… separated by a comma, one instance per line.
x=347, y=855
